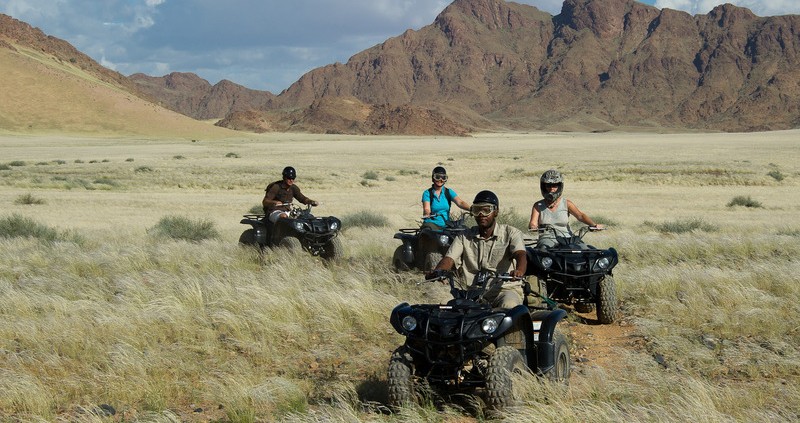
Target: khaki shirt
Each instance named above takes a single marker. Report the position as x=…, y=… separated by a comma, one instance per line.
x=285, y=193
x=471, y=253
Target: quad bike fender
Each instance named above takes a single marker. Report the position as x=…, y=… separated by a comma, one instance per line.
x=518, y=315
x=402, y=309
x=544, y=325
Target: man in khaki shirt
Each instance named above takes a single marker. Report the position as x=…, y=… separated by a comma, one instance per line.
x=489, y=246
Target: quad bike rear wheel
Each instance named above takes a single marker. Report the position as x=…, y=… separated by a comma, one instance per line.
x=505, y=362
x=291, y=243
x=248, y=238
x=400, y=379
x=607, y=309
x=397, y=260
x=431, y=260
x=333, y=250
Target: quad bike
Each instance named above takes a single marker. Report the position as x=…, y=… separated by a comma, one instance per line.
x=300, y=231
x=468, y=345
x=424, y=247
x=576, y=273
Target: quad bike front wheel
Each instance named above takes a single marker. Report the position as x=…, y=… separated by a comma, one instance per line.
x=607, y=309
x=563, y=367
x=400, y=379
x=291, y=243
x=333, y=250
x=505, y=362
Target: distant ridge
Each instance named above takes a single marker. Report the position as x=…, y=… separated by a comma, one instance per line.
x=492, y=65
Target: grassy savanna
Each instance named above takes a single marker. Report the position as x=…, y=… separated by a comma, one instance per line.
x=105, y=320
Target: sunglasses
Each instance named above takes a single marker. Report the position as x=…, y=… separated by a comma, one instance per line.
x=440, y=177
x=482, y=209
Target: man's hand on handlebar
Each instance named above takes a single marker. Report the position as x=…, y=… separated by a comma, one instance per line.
x=437, y=275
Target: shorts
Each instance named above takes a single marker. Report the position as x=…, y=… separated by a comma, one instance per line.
x=275, y=215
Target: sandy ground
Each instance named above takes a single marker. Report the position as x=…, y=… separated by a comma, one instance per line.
x=629, y=178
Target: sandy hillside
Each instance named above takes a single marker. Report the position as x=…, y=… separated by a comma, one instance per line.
x=43, y=96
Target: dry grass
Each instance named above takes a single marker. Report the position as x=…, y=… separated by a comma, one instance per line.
x=168, y=330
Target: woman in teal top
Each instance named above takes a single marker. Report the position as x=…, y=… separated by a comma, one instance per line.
x=436, y=200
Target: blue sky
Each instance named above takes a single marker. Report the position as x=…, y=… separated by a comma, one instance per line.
x=261, y=44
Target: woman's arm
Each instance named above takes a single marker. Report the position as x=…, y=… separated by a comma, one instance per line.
x=534, y=223
x=463, y=205
x=583, y=217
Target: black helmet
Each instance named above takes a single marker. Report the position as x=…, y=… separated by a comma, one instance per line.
x=487, y=197
x=439, y=172
x=551, y=177
x=289, y=173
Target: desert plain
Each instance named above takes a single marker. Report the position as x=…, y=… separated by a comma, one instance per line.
x=110, y=322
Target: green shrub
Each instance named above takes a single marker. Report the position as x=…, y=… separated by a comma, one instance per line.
x=129, y=159
x=142, y=169
x=178, y=227
x=232, y=155
x=28, y=199
x=106, y=181
x=404, y=172
x=178, y=157
x=776, y=174
x=17, y=163
x=78, y=161
x=390, y=178
x=364, y=219
x=42, y=163
x=5, y=167
x=93, y=161
x=61, y=162
x=744, y=201
x=371, y=175
x=17, y=226
x=789, y=232
x=257, y=209
x=682, y=226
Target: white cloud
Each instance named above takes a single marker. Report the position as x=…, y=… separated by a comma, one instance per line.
x=759, y=7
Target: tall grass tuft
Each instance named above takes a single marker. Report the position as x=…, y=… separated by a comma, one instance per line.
x=179, y=227
x=371, y=175
x=682, y=226
x=29, y=199
x=364, y=219
x=256, y=209
x=741, y=200
x=512, y=218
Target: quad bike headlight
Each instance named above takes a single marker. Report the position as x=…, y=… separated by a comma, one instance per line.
x=603, y=263
x=444, y=240
x=546, y=262
x=298, y=226
x=490, y=325
x=334, y=225
x=409, y=323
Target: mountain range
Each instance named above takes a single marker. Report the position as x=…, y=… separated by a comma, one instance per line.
x=492, y=65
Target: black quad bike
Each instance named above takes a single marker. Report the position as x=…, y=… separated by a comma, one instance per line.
x=578, y=274
x=300, y=231
x=466, y=345
x=424, y=247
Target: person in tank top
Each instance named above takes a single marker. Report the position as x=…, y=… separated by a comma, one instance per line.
x=553, y=210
